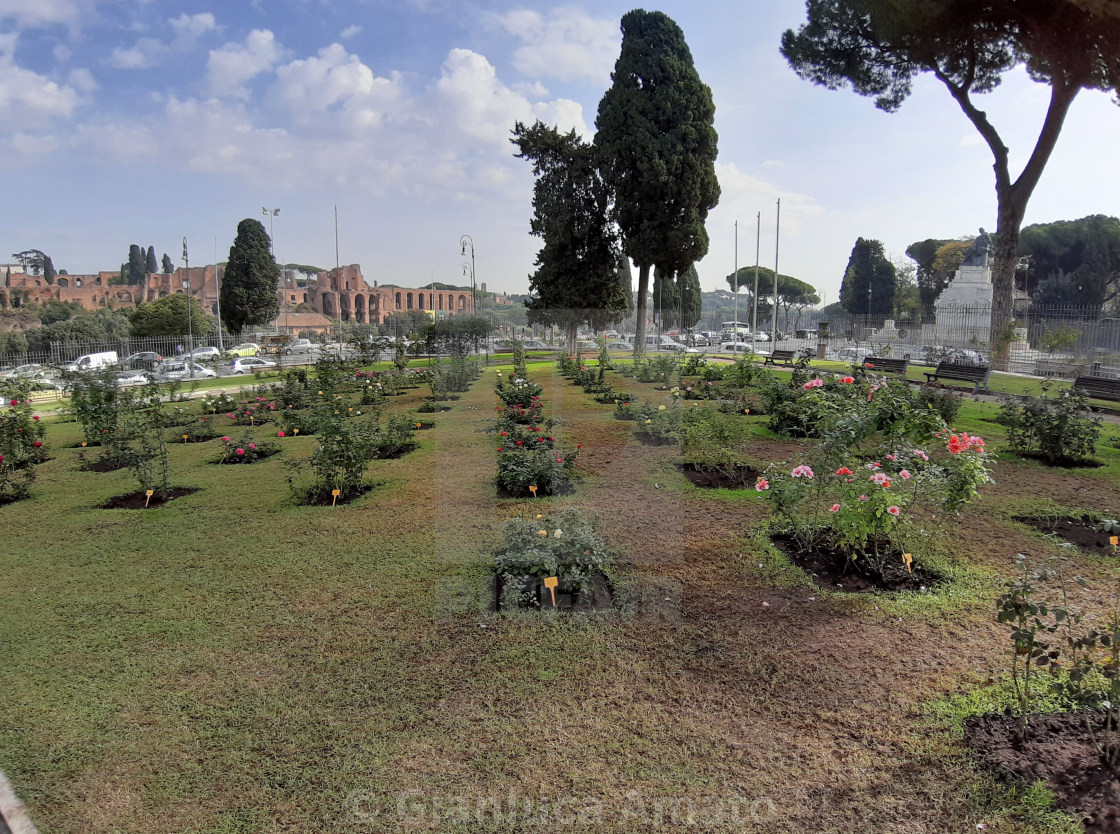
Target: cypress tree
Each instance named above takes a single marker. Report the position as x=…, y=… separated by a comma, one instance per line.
x=135, y=264
x=150, y=265
x=249, y=286
x=657, y=148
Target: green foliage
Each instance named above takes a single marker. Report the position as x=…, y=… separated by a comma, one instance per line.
x=566, y=546
x=95, y=326
x=868, y=270
x=871, y=510
x=245, y=449
x=168, y=317
x=657, y=150
x=345, y=450
x=456, y=335
x=667, y=424
x=168, y=267
x=1059, y=428
x=21, y=442
x=1072, y=262
x=577, y=277
x=136, y=265
x=248, y=295
x=139, y=443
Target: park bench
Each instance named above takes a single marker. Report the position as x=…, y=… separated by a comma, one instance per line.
x=976, y=374
x=886, y=365
x=1099, y=387
x=787, y=357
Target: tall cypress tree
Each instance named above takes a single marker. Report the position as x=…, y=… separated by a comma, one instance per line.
x=150, y=265
x=135, y=264
x=577, y=279
x=657, y=148
x=168, y=267
x=249, y=285
x=868, y=271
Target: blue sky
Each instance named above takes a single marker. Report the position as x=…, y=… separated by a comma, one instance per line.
x=144, y=121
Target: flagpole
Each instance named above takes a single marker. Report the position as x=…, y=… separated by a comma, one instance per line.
x=757, y=250
x=774, y=312
x=736, y=283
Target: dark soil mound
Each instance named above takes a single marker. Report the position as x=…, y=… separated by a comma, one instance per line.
x=835, y=570
x=1058, y=751
x=139, y=500
x=1079, y=531
x=737, y=477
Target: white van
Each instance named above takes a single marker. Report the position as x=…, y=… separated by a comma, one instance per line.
x=94, y=361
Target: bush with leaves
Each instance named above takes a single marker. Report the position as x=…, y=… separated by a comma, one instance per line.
x=667, y=423
x=1083, y=662
x=1059, y=428
x=714, y=442
x=22, y=435
x=139, y=443
x=871, y=510
x=346, y=448
x=535, y=469
x=665, y=369
x=245, y=449
x=566, y=545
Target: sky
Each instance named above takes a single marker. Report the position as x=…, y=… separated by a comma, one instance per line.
x=147, y=121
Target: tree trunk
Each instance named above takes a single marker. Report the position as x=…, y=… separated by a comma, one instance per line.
x=1009, y=221
x=640, y=308
x=572, y=330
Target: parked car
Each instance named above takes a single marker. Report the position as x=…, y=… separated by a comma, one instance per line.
x=145, y=360
x=249, y=364
x=247, y=349
x=94, y=361
x=26, y=371
x=735, y=347
x=698, y=340
x=620, y=345
x=534, y=344
x=133, y=378
x=300, y=346
x=676, y=347
x=181, y=369
x=205, y=354
x=854, y=355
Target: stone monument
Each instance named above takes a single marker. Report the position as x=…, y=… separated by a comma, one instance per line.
x=965, y=306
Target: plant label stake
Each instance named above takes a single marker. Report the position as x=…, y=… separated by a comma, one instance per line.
x=1114, y=540
x=184, y=438
x=909, y=560
x=334, y=496
x=148, y=496
x=533, y=490
x=550, y=582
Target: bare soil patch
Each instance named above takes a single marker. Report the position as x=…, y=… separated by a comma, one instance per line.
x=1058, y=751
x=833, y=570
x=139, y=500
x=1078, y=531
x=101, y=465
x=735, y=477
x=1062, y=463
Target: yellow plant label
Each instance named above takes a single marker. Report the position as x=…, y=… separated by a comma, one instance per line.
x=148, y=497
x=1114, y=540
x=909, y=560
x=551, y=582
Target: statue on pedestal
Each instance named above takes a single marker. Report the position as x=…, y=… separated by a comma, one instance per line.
x=977, y=254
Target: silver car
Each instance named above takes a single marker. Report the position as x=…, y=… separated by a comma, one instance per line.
x=181, y=369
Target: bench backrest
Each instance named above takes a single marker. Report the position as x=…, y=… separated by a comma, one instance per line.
x=782, y=354
x=885, y=363
x=951, y=370
x=1098, y=385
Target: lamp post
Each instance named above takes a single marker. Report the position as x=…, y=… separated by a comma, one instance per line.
x=271, y=214
x=190, y=325
x=464, y=242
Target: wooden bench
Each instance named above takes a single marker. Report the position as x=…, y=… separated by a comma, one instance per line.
x=1099, y=387
x=787, y=357
x=976, y=374
x=886, y=365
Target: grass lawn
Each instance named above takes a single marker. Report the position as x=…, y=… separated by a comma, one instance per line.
x=232, y=662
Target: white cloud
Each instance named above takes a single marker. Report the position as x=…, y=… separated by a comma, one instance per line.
x=230, y=66
x=44, y=12
x=568, y=44
x=189, y=27
x=33, y=145
x=27, y=99
x=146, y=53
x=350, y=31
x=82, y=80
x=311, y=86
x=481, y=107
x=61, y=53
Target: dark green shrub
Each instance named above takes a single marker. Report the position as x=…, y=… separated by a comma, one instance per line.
x=1059, y=428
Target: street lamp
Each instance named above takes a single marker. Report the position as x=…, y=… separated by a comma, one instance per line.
x=190, y=325
x=464, y=242
x=271, y=214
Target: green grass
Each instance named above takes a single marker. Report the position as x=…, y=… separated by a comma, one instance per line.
x=233, y=662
